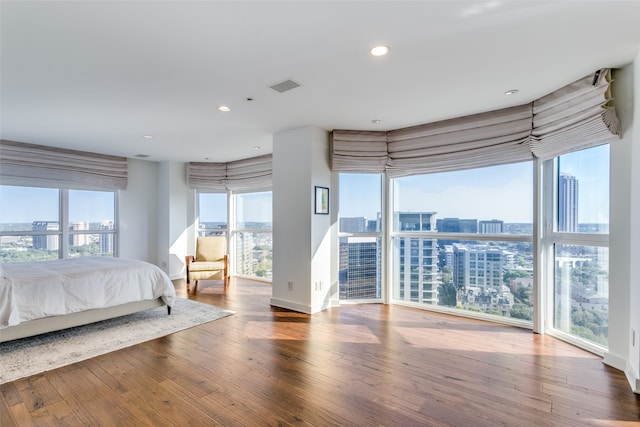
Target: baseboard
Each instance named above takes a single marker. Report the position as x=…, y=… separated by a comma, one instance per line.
x=623, y=365
x=620, y=363
x=290, y=305
x=308, y=309
x=633, y=378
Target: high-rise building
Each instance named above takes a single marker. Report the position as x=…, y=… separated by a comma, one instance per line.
x=245, y=262
x=417, y=265
x=353, y=224
x=46, y=242
x=479, y=265
x=417, y=259
x=414, y=221
x=477, y=274
x=360, y=259
x=457, y=225
x=79, y=239
x=493, y=226
x=106, y=240
x=359, y=268
x=567, y=203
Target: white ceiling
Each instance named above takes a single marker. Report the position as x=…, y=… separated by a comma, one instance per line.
x=97, y=76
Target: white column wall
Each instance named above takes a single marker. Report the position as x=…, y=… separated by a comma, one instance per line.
x=302, y=241
x=633, y=370
x=138, y=213
x=173, y=222
x=624, y=244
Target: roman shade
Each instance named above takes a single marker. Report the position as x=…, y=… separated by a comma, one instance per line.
x=486, y=139
x=250, y=174
x=575, y=117
x=207, y=176
x=358, y=151
x=21, y=160
x=254, y=173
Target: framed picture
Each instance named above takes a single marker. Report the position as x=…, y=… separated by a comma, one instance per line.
x=322, y=200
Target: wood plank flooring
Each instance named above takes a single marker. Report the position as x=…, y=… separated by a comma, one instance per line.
x=357, y=365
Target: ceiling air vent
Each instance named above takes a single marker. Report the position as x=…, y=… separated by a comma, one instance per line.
x=285, y=86
x=141, y=156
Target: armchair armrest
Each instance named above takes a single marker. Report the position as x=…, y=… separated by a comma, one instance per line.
x=188, y=260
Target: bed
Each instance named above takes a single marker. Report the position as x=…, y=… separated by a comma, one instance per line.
x=39, y=297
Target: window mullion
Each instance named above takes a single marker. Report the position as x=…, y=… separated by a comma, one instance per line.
x=64, y=223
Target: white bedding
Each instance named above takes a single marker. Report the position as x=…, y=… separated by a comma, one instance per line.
x=50, y=288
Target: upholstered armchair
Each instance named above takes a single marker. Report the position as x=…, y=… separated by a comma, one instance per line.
x=210, y=261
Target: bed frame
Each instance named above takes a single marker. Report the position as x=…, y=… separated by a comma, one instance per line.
x=55, y=323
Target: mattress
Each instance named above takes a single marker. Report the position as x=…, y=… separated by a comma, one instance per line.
x=36, y=290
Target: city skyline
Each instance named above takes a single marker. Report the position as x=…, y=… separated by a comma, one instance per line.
x=481, y=193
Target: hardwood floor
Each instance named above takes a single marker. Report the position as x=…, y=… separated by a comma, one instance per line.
x=357, y=365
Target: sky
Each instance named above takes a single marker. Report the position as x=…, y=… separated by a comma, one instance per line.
x=500, y=192
x=26, y=204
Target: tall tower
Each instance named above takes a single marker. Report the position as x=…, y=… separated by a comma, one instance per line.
x=417, y=259
x=567, y=203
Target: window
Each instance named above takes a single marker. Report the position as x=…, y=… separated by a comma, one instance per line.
x=92, y=225
x=473, y=231
x=51, y=223
x=212, y=214
x=253, y=238
x=579, y=244
x=360, y=237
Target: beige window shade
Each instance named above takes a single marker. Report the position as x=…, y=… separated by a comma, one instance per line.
x=486, y=139
x=575, y=117
x=254, y=173
x=358, y=151
x=67, y=167
x=250, y=174
x=207, y=176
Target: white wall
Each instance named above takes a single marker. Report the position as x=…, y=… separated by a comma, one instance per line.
x=157, y=215
x=138, y=213
x=624, y=243
x=302, y=241
x=633, y=371
x=173, y=208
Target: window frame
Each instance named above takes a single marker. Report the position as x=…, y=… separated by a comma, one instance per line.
x=207, y=231
x=460, y=236
x=379, y=235
x=549, y=238
x=234, y=231
x=63, y=233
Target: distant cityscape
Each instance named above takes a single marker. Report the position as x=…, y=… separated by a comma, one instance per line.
x=494, y=277
x=84, y=239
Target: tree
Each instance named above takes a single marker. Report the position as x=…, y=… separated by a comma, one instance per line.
x=522, y=311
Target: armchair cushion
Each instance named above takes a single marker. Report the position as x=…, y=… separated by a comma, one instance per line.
x=206, y=265
x=210, y=249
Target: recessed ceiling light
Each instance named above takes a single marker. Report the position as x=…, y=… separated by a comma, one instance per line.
x=224, y=108
x=147, y=136
x=256, y=147
x=376, y=121
x=511, y=92
x=379, y=50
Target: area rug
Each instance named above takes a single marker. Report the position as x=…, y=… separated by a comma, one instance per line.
x=29, y=356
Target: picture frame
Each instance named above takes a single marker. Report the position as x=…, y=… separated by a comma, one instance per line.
x=322, y=200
